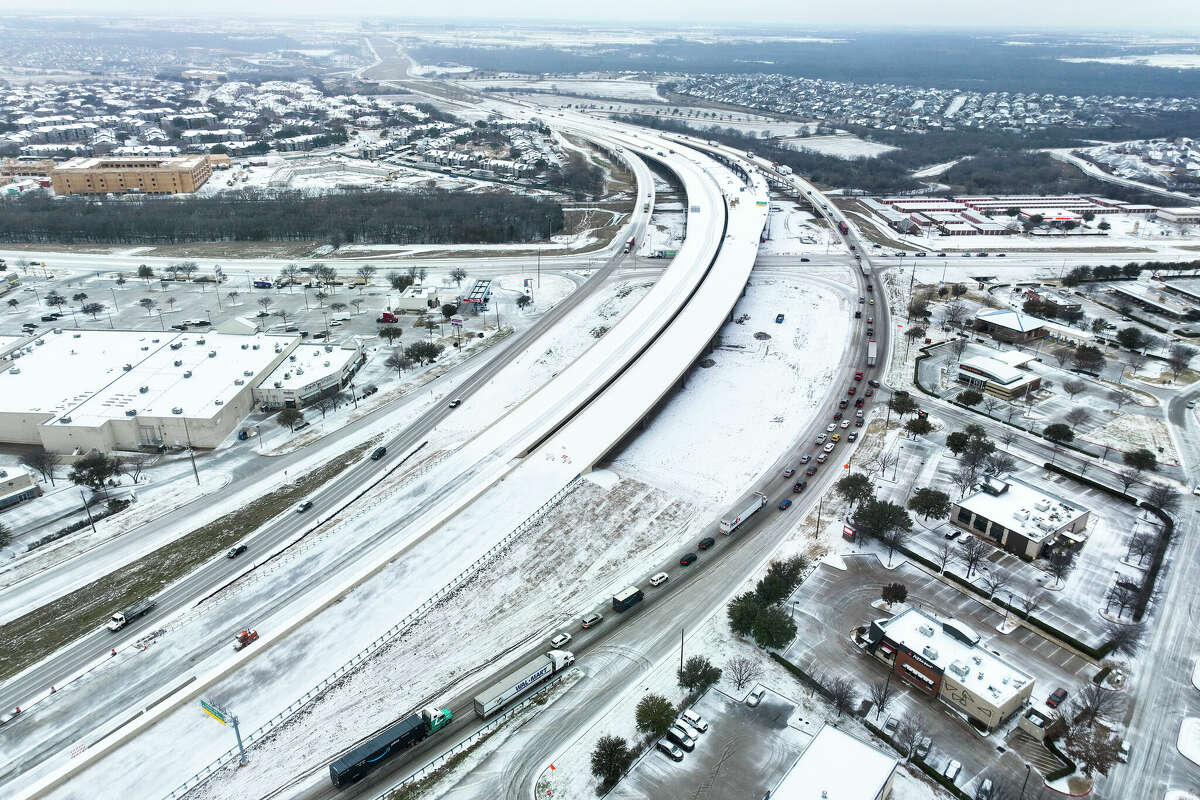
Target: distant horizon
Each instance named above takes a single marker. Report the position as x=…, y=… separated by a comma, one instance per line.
x=1107, y=17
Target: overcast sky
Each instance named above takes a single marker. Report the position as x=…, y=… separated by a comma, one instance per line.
x=1179, y=17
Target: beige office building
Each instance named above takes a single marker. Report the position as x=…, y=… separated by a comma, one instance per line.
x=143, y=174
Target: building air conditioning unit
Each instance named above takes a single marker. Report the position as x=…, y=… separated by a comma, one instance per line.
x=15, y=371
x=176, y=410
x=143, y=389
x=278, y=385
x=127, y=367
x=76, y=335
x=245, y=347
x=176, y=345
x=131, y=412
x=218, y=402
x=178, y=363
x=926, y=630
x=65, y=420
x=292, y=357
x=929, y=652
x=200, y=341
x=187, y=374
x=238, y=382
x=212, y=353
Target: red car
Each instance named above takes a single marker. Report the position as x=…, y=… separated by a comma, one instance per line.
x=869, y=392
x=858, y=423
x=1056, y=697
x=850, y=390
x=858, y=376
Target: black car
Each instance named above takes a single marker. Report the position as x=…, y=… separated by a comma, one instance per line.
x=779, y=318
x=49, y=318
x=799, y=486
x=954, y=534
x=235, y=551
x=378, y=453
x=812, y=470
x=689, y=558
x=706, y=543
x=873, y=383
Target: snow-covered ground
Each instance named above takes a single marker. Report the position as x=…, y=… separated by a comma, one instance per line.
x=1163, y=60
x=756, y=391
x=1127, y=231
x=841, y=146
x=1129, y=432
x=328, y=172
x=1189, y=739
x=794, y=231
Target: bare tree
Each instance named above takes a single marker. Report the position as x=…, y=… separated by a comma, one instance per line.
x=1007, y=435
x=1125, y=640
x=133, y=465
x=1078, y=416
x=908, y=734
x=1128, y=476
x=994, y=581
x=265, y=302
x=1136, y=361
x=41, y=461
x=964, y=479
x=943, y=553
x=1031, y=602
x=999, y=462
x=1062, y=354
x=1121, y=596
x=1058, y=564
x=1120, y=397
x=1074, y=387
x=1140, y=545
x=972, y=553
x=887, y=460
x=842, y=695
x=957, y=345
x=743, y=671
x=991, y=403
x=1095, y=702
x=324, y=404
x=881, y=694
x=1179, y=355
x=955, y=311
x=1163, y=497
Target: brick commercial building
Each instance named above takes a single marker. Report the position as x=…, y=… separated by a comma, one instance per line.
x=1020, y=517
x=1010, y=326
x=177, y=175
x=944, y=659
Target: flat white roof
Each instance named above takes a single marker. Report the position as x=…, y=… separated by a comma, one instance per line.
x=836, y=766
x=981, y=672
x=1013, y=320
x=1024, y=508
x=309, y=363
x=94, y=376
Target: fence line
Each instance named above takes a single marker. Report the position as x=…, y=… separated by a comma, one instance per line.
x=358, y=658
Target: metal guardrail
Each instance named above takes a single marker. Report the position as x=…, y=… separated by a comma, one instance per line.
x=231, y=755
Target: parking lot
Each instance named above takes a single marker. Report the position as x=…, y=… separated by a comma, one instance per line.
x=832, y=602
x=744, y=753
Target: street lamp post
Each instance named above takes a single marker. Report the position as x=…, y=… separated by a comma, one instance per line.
x=1027, y=769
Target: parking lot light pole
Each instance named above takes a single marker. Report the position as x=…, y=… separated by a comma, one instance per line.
x=1026, y=780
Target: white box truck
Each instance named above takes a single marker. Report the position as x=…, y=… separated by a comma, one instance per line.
x=756, y=501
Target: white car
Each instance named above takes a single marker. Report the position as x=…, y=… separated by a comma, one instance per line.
x=659, y=579
x=560, y=639
x=845, y=423
x=755, y=697
x=831, y=428
x=829, y=447
x=695, y=720
x=952, y=769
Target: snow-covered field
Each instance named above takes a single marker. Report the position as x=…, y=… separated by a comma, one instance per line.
x=1164, y=60
x=794, y=231
x=1189, y=739
x=756, y=391
x=1129, y=432
x=1128, y=231
x=841, y=146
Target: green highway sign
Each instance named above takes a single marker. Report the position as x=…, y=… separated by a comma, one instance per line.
x=213, y=711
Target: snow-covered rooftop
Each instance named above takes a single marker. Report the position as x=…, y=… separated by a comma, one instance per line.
x=836, y=766
x=1021, y=507
x=993, y=369
x=93, y=376
x=1013, y=320
x=953, y=648
x=309, y=364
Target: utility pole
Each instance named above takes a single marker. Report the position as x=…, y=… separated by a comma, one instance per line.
x=88, y=510
x=681, y=649
x=191, y=451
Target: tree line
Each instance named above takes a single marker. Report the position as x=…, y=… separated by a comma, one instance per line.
x=429, y=216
